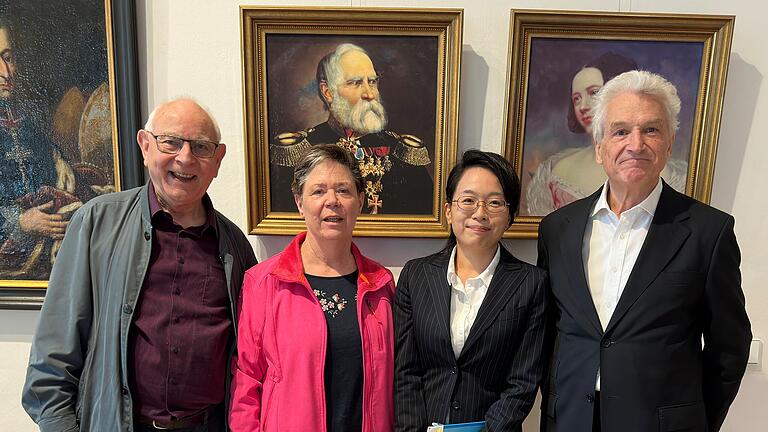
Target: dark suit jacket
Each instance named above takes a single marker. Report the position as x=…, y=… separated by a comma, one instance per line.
x=497, y=373
x=655, y=374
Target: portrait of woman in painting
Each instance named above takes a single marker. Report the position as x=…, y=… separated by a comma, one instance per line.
x=573, y=173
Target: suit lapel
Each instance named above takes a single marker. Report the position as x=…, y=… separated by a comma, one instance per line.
x=437, y=281
x=665, y=237
x=504, y=284
x=574, y=225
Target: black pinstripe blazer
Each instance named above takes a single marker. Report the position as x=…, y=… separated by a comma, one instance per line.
x=497, y=373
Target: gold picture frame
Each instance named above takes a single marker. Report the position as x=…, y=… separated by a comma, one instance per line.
x=542, y=129
x=76, y=65
x=416, y=54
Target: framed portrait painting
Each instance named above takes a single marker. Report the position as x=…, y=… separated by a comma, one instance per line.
x=558, y=62
x=380, y=83
x=68, y=96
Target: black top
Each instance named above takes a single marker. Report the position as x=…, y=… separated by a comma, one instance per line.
x=344, y=353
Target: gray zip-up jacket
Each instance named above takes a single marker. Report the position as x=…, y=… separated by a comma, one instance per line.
x=77, y=377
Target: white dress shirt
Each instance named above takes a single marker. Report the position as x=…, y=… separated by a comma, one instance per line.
x=466, y=299
x=610, y=248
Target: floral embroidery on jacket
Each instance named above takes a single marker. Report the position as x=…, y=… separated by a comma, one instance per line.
x=332, y=305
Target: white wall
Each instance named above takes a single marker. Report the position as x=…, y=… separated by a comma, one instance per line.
x=192, y=47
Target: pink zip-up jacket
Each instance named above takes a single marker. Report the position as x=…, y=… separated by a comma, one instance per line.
x=278, y=372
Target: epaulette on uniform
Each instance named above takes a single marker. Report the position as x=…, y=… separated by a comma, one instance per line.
x=410, y=149
x=289, y=147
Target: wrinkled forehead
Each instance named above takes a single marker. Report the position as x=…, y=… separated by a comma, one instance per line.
x=356, y=64
x=5, y=39
x=184, y=120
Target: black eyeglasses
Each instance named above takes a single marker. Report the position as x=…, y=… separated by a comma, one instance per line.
x=170, y=144
x=470, y=204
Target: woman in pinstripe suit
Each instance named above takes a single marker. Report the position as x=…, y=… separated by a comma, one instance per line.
x=469, y=320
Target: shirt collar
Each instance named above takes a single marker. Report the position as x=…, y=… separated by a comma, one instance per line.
x=649, y=204
x=486, y=274
x=156, y=211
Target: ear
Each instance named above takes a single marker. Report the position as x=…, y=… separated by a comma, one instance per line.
x=361, y=198
x=671, y=143
x=598, y=148
x=326, y=92
x=221, y=150
x=142, y=138
x=297, y=199
x=448, y=212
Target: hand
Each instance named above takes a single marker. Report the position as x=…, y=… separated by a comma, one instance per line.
x=65, y=177
x=37, y=221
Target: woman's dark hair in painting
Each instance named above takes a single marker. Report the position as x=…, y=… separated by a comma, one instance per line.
x=493, y=162
x=609, y=64
x=324, y=153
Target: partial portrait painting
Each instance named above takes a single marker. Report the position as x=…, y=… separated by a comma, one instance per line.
x=559, y=163
x=56, y=146
x=380, y=83
x=559, y=61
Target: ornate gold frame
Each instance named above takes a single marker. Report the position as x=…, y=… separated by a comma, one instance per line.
x=714, y=32
x=120, y=30
x=258, y=22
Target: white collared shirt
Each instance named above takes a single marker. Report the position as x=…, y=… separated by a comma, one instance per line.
x=466, y=299
x=610, y=248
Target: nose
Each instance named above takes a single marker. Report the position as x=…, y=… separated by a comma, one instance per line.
x=5, y=69
x=368, y=92
x=185, y=153
x=481, y=212
x=636, y=142
x=331, y=199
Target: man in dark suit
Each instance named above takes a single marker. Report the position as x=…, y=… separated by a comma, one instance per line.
x=392, y=164
x=640, y=275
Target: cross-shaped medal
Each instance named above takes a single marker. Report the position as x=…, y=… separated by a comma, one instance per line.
x=375, y=204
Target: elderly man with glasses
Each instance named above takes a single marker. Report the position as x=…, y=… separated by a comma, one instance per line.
x=138, y=324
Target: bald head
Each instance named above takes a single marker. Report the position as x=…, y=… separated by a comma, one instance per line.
x=187, y=110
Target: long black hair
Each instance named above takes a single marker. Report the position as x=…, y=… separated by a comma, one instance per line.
x=500, y=167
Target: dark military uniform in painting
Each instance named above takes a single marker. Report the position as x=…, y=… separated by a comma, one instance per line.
x=393, y=168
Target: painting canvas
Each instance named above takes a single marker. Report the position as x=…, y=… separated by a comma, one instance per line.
x=57, y=127
x=383, y=89
x=559, y=60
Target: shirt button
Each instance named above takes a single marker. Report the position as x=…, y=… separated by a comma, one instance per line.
x=613, y=269
x=622, y=236
x=177, y=291
x=590, y=398
x=176, y=319
x=606, y=343
x=453, y=370
x=127, y=309
x=172, y=380
x=175, y=350
x=146, y=235
x=455, y=405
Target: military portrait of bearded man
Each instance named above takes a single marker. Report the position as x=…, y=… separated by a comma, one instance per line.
x=395, y=163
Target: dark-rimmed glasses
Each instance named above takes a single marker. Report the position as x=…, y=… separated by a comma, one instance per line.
x=470, y=204
x=171, y=144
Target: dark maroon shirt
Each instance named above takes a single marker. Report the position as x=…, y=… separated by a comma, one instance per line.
x=177, y=346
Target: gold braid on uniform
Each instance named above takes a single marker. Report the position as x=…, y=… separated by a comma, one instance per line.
x=411, y=150
x=289, y=148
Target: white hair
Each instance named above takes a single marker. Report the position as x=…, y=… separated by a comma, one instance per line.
x=641, y=82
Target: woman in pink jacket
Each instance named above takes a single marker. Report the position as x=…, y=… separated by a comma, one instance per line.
x=315, y=336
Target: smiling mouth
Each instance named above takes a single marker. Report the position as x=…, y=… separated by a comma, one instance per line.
x=333, y=219
x=479, y=228
x=182, y=176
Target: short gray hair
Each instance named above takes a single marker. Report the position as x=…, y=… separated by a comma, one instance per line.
x=329, y=69
x=324, y=153
x=642, y=82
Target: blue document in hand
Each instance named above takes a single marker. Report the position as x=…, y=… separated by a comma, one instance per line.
x=458, y=427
